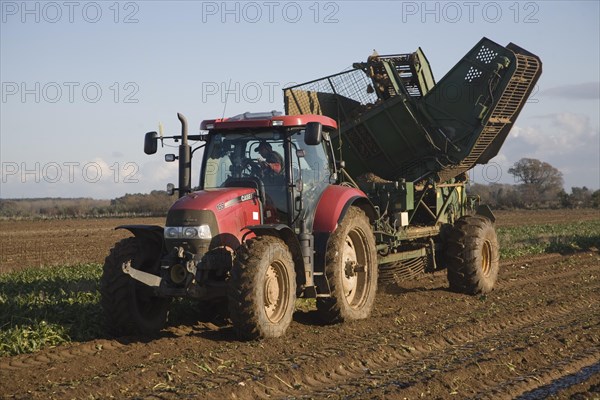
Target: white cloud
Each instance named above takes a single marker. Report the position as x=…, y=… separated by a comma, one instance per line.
x=156, y=173
x=558, y=133
x=96, y=178
x=568, y=141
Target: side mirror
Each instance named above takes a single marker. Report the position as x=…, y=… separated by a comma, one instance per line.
x=170, y=189
x=151, y=143
x=170, y=157
x=313, y=135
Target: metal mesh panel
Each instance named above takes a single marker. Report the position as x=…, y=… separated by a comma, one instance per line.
x=349, y=94
x=338, y=96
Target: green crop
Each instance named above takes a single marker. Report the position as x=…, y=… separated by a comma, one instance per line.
x=41, y=307
x=563, y=238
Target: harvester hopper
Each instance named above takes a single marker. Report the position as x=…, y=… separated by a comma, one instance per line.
x=397, y=123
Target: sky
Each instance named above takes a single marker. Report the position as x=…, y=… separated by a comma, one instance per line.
x=83, y=81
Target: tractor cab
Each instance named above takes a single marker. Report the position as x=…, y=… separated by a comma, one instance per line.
x=273, y=154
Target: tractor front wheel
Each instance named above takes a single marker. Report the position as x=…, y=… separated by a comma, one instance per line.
x=262, y=288
x=351, y=270
x=472, y=254
x=130, y=307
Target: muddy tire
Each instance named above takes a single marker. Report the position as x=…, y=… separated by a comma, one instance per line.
x=262, y=289
x=351, y=270
x=472, y=255
x=130, y=307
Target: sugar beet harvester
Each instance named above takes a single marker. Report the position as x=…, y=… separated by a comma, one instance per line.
x=363, y=180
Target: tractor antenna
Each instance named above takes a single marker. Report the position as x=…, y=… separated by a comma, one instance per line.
x=226, y=98
x=160, y=133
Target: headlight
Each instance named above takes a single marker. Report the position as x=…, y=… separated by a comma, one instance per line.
x=204, y=232
x=188, y=232
x=171, y=232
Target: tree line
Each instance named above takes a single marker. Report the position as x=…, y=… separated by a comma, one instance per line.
x=540, y=186
x=155, y=203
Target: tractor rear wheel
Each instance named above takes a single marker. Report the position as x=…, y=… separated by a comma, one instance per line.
x=262, y=288
x=351, y=270
x=130, y=307
x=472, y=254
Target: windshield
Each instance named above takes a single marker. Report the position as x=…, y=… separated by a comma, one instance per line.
x=239, y=155
x=259, y=158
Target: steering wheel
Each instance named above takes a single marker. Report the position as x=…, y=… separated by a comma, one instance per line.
x=252, y=166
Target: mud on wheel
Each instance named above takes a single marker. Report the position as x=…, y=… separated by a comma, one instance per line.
x=351, y=270
x=472, y=255
x=262, y=288
x=129, y=306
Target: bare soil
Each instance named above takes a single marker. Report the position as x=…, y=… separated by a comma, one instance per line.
x=536, y=336
x=49, y=242
x=71, y=241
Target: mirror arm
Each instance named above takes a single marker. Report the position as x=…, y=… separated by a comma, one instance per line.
x=198, y=148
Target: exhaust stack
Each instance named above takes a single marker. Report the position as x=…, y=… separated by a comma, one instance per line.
x=185, y=159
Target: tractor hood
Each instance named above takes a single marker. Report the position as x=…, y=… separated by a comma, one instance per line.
x=219, y=214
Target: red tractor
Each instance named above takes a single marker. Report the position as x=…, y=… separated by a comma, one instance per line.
x=267, y=224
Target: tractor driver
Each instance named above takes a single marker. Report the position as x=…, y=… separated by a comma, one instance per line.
x=271, y=162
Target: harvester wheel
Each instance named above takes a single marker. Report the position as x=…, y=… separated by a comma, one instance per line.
x=351, y=270
x=129, y=306
x=472, y=255
x=262, y=288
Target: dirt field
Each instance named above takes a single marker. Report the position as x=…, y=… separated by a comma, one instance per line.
x=48, y=242
x=536, y=336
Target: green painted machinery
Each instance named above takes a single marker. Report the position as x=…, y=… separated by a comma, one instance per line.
x=408, y=143
x=397, y=123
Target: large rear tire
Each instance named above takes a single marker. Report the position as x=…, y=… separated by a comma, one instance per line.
x=472, y=254
x=351, y=270
x=262, y=289
x=130, y=307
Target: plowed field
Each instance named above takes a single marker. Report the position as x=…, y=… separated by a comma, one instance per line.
x=536, y=336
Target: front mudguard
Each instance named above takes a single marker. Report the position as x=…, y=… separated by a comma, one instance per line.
x=331, y=210
x=151, y=242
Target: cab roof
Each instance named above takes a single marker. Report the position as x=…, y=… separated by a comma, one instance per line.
x=265, y=120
